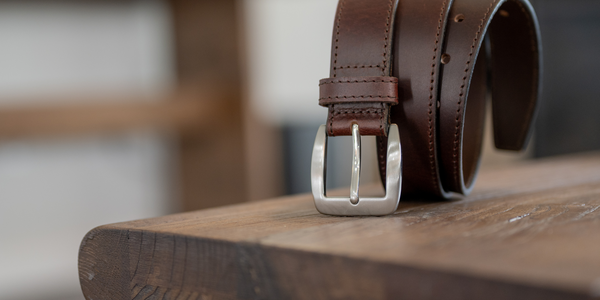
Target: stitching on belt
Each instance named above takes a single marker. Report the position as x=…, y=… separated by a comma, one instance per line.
x=434, y=176
x=337, y=35
x=385, y=40
x=358, y=81
x=457, y=125
x=363, y=96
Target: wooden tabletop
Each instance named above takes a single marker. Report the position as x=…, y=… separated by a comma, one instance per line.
x=530, y=231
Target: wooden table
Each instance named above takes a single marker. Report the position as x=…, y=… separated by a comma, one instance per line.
x=530, y=231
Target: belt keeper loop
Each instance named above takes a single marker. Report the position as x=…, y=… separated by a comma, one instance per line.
x=382, y=89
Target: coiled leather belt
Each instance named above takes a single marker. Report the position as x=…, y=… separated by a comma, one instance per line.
x=408, y=69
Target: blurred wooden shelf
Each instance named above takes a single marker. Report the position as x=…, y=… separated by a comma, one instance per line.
x=530, y=231
x=180, y=111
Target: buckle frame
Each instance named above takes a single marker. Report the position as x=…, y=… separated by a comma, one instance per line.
x=355, y=205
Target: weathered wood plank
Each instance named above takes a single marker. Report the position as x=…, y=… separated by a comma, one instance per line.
x=528, y=232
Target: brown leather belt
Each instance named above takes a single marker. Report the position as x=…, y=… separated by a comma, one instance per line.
x=417, y=64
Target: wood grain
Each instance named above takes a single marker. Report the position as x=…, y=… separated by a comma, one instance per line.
x=527, y=232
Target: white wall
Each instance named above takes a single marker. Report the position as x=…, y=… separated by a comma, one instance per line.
x=289, y=46
x=55, y=47
x=52, y=191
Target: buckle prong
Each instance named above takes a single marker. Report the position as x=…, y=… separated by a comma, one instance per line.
x=355, y=179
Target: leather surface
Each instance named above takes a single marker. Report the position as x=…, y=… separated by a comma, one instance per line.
x=445, y=54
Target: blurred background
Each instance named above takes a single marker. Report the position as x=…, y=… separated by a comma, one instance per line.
x=118, y=110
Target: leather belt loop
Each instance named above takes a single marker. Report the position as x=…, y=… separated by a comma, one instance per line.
x=432, y=54
x=358, y=89
x=514, y=40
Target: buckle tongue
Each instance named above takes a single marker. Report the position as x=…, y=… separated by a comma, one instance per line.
x=354, y=205
x=355, y=180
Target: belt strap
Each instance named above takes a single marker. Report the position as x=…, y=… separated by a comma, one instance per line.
x=361, y=89
x=417, y=64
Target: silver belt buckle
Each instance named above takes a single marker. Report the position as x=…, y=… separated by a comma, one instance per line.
x=355, y=205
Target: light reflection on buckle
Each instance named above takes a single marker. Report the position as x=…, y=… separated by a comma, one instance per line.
x=355, y=205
